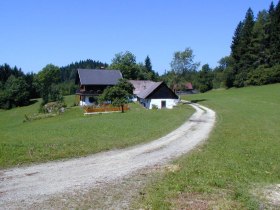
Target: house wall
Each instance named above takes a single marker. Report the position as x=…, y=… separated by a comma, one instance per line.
x=148, y=103
x=84, y=101
x=163, y=92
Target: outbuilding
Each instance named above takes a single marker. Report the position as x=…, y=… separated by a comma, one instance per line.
x=154, y=94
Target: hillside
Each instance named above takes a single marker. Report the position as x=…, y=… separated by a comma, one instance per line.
x=72, y=134
x=237, y=163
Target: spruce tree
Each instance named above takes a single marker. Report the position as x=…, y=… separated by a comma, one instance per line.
x=246, y=37
x=148, y=64
x=275, y=36
x=235, y=46
x=259, y=46
x=246, y=59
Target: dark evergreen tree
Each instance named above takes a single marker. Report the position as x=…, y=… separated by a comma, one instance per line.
x=148, y=64
x=6, y=71
x=30, y=81
x=236, y=43
x=68, y=73
x=275, y=35
x=245, y=57
x=246, y=37
x=14, y=89
x=259, y=46
x=151, y=74
x=205, y=79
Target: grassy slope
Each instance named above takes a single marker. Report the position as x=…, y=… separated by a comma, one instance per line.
x=73, y=134
x=241, y=154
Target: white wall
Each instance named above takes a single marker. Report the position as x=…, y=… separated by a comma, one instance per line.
x=85, y=101
x=148, y=103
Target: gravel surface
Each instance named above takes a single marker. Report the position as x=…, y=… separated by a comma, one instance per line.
x=23, y=187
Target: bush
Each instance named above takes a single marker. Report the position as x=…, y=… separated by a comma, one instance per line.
x=154, y=106
x=37, y=117
x=14, y=93
x=263, y=75
x=53, y=107
x=203, y=88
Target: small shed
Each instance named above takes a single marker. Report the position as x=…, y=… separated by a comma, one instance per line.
x=154, y=94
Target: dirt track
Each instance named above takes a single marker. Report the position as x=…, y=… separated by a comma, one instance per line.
x=21, y=187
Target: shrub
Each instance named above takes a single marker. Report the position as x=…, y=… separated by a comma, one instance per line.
x=263, y=75
x=154, y=106
x=53, y=107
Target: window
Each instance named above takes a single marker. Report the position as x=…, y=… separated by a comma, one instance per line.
x=91, y=99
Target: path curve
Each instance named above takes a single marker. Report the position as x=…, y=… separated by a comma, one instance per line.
x=26, y=185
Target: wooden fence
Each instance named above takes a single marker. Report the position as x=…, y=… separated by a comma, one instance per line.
x=104, y=108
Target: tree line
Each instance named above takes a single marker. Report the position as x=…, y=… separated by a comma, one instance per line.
x=254, y=57
x=255, y=49
x=254, y=60
x=53, y=82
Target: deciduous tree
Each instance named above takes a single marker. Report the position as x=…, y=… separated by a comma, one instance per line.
x=183, y=62
x=118, y=95
x=46, y=81
x=126, y=63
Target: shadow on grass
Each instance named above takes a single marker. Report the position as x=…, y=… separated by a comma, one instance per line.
x=32, y=101
x=198, y=100
x=194, y=101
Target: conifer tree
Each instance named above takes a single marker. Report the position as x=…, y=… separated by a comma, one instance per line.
x=246, y=59
x=236, y=43
x=275, y=35
x=259, y=46
x=246, y=37
x=148, y=64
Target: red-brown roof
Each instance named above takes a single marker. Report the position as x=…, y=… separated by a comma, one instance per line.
x=189, y=86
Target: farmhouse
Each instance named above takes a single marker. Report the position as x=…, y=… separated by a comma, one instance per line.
x=154, y=94
x=92, y=83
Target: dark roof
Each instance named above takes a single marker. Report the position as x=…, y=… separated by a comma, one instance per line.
x=145, y=93
x=146, y=89
x=98, y=77
x=140, y=85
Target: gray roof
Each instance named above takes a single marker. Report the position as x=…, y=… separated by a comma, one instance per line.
x=149, y=90
x=99, y=77
x=140, y=85
x=143, y=88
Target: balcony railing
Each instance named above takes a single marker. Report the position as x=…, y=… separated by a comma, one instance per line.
x=104, y=108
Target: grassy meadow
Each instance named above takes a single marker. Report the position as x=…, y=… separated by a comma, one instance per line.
x=241, y=156
x=72, y=134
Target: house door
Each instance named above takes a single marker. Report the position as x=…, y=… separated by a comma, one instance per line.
x=163, y=104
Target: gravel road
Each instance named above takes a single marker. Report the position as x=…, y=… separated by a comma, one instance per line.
x=21, y=187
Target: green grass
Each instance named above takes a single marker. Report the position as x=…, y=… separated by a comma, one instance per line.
x=72, y=134
x=241, y=155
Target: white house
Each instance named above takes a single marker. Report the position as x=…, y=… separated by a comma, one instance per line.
x=154, y=94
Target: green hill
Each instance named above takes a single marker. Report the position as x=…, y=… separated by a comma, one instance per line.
x=240, y=158
x=72, y=134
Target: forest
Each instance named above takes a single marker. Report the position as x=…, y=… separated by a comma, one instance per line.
x=254, y=60
x=254, y=57
x=53, y=82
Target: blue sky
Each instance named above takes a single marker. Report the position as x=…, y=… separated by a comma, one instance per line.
x=35, y=33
